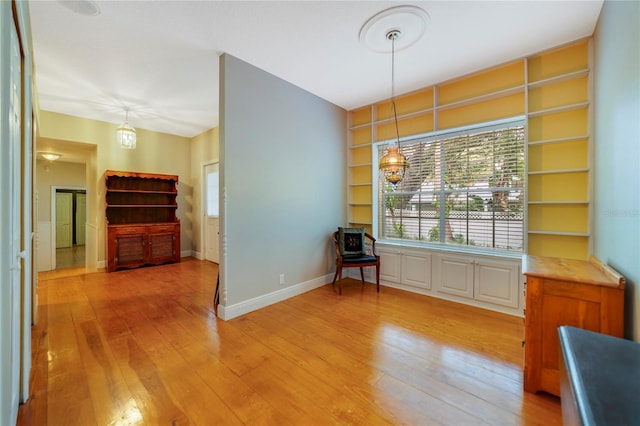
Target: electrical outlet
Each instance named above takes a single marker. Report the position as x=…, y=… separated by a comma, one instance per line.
x=281, y=279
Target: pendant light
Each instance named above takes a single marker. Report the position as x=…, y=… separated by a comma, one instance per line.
x=394, y=164
x=126, y=134
x=400, y=26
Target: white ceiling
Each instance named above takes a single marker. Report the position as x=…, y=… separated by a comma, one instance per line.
x=160, y=58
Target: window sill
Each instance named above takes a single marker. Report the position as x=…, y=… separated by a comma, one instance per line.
x=497, y=254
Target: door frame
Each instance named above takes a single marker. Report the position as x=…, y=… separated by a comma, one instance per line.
x=203, y=206
x=52, y=247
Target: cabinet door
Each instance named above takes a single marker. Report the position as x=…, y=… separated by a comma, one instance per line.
x=389, y=265
x=497, y=282
x=416, y=269
x=454, y=275
x=161, y=240
x=130, y=247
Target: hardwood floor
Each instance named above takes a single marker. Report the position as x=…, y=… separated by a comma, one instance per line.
x=144, y=347
x=70, y=257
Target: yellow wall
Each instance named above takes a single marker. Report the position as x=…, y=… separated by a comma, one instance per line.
x=204, y=149
x=57, y=173
x=155, y=153
x=552, y=90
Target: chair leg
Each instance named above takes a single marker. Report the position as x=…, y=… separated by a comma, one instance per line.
x=362, y=274
x=338, y=275
x=378, y=278
x=333, y=284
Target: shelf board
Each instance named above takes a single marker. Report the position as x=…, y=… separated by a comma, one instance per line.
x=360, y=164
x=141, y=191
x=559, y=171
x=566, y=234
x=360, y=126
x=559, y=140
x=563, y=108
x=360, y=184
x=360, y=204
x=120, y=206
x=559, y=78
x=558, y=202
x=481, y=98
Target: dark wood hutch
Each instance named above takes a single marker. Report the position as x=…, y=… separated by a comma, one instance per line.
x=142, y=226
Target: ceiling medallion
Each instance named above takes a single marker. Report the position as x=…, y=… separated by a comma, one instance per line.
x=409, y=21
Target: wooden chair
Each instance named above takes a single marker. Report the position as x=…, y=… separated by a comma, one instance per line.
x=357, y=257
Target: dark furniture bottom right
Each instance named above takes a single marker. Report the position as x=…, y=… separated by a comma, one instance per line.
x=599, y=378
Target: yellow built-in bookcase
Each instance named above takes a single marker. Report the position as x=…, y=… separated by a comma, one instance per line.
x=552, y=90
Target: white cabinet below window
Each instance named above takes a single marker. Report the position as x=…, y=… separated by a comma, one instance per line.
x=482, y=279
x=497, y=282
x=389, y=264
x=407, y=267
x=416, y=269
x=488, y=282
x=454, y=275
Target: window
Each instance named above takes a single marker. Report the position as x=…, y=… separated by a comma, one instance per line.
x=212, y=190
x=463, y=188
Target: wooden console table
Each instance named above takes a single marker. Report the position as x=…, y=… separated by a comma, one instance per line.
x=583, y=294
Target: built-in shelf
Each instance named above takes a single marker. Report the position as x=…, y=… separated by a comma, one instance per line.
x=559, y=140
x=563, y=108
x=566, y=234
x=481, y=98
x=559, y=171
x=561, y=202
x=522, y=86
x=559, y=78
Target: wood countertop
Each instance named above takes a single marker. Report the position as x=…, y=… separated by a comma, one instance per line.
x=590, y=272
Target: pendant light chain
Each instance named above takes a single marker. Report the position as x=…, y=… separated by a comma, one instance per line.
x=393, y=36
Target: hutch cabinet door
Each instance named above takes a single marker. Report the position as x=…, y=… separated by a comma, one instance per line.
x=162, y=241
x=129, y=245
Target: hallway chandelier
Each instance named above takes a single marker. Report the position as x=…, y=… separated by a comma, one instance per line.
x=126, y=134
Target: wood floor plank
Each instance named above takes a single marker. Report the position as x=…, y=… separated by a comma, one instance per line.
x=145, y=347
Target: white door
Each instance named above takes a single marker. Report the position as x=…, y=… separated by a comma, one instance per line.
x=212, y=212
x=81, y=217
x=10, y=205
x=64, y=202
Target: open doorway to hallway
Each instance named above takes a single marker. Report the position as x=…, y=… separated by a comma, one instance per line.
x=70, y=216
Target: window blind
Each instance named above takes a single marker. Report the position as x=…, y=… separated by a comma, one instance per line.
x=463, y=188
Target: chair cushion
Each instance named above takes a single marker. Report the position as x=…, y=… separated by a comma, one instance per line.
x=351, y=241
x=357, y=258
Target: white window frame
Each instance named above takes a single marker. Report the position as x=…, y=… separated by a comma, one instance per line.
x=519, y=120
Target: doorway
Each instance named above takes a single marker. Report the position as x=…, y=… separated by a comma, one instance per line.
x=211, y=211
x=70, y=213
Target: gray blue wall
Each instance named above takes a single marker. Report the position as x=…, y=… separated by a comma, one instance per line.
x=617, y=148
x=282, y=157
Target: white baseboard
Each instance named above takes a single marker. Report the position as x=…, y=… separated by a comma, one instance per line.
x=197, y=255
x=233, y=311
x=186, y=253
x=102, y=264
